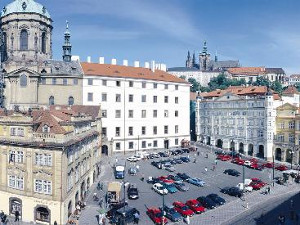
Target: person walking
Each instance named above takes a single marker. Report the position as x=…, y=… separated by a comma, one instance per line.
x=198, y=153
x=136, y=218
x=216, y=162
x=205, y=169
x=187, y=220
x=17, y=216
x=269, y=189
x=214, y=168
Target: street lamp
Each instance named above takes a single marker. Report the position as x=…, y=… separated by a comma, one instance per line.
x=163, y=210
x=292, y=154
x=232, y=147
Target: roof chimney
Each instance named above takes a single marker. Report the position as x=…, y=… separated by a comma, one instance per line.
x=163, y=67
x=101, y=60
x=89, y=59
x=75, y=58
x=136, y=64
x=114, y=62
x=147, y=65
x=153, y=66
x=125, y=62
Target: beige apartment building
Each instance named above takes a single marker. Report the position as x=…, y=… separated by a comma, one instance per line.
x=44, y=170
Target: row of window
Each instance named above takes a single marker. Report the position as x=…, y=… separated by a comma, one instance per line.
x=65, y=81
x=118, y=97
x=41, y=159
x=143, y=130
x=70, y=100
x=130, y=84
x=40, y=186
x=143, y=113
x=153, y=144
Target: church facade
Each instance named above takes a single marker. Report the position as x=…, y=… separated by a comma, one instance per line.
x=29, y=76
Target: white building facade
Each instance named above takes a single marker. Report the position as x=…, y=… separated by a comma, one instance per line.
x=142, y=109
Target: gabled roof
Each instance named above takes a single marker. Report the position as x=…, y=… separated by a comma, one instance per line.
x=107, y=70
x=290, y=91
x=287, y=106
x=275, y=70
x=295, y=76
x=247, y=71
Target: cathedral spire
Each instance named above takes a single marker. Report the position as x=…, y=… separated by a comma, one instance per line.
x=216, y=56
x=67, y=47
x=204, y=48
x=194, y=59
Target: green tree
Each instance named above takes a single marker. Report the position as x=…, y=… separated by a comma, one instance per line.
x=195, y=84
x=262, y=81
x=277, y=87
x=182, y=77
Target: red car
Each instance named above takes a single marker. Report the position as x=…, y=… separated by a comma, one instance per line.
x=195, y=206
x=253, y=160
x=255, y=185
x=224, y=157
x=183, y=209
x=156, y=216
x=281, y=168
x=256, y=166
x=268, y=165
x=238, y=161
x=257, y=180
x=165, y=179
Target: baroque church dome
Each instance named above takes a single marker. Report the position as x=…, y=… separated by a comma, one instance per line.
x=25, y=6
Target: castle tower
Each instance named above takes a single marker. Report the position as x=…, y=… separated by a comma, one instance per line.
x=188, y=62
x=204, y=58
x=67, y=47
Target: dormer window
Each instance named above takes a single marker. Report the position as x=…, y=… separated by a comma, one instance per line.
x=46, y=129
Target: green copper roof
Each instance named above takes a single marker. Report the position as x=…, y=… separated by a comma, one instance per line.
x=25, y=6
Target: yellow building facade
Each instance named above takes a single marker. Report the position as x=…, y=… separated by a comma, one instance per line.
x=44, y=170
x=287, y=134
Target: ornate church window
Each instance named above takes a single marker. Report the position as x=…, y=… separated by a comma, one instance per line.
x=44, y=42
x=23, y=80
x=24, y=40
x=51, y=100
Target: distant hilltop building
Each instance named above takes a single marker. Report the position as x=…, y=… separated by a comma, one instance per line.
x=294, y=79
x=207, y=69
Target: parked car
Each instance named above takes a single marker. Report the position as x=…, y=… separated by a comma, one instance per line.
x=153, y=180
x=170, y=169
x=185, y=150
x=238, y=161
x=245, y=188
x=233, y=191
x=182, y=186
x=207, y=202
x=133, y=159
x=247, y=163
x=195, y=205
x=196, y=181
x=268, y=165
x=256, y=166
x=158, y=165
x=281, y=168
x=178, y=161
x=165, y=179
x=217, y=199
x=183, y=176
x=185, y=159
x=114, y=207
x=224, y=157
x=159, y=188
x=175, y=178
x=171, y=213
x=183, y=209
x=126, y=214
x=170, y=187
x=179, y=151
x=156, y=216
x=133, y=192
x=232, y=172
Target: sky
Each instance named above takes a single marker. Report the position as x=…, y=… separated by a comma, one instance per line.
x=255, y=32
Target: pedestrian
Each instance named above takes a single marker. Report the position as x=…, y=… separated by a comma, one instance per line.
x=17, y=215
x=214, y=168
x=101, y=202
x=142, y=178
x=198, y=153
x=206, y=156
x=281, y=219
x=136, y=218
x=269, y=189
x=137, y=168
x=216, y=162
x=205, y=169
x=55, y=223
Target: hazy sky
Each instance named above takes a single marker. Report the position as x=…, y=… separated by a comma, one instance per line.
x=257, y=32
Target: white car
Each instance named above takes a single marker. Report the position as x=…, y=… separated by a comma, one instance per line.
x=133, y=159
x=157, y=187
x=247, y=163
x=246, y=188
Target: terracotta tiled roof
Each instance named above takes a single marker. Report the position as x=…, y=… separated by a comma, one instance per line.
x=295, y=76
x=93, y=111
x=239, y=90
x=107, y=70
x=247, y=71
x=47, y=118
x=290, y=90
